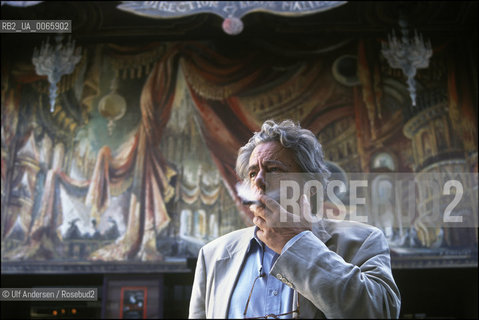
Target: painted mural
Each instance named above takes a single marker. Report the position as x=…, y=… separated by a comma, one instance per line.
x=136, y=162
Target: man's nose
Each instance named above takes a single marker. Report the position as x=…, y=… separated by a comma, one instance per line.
x=259, y=180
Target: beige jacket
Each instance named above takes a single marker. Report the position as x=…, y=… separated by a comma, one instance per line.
x=341, y=269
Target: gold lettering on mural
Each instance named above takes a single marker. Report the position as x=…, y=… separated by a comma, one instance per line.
x=211, y=4
x=300, y=5
x=185, y=6
x=179, y=6
x=257, y=4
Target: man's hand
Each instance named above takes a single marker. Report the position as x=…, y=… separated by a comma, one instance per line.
x=276, y=225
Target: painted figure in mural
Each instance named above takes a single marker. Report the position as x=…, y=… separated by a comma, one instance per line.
x=291, y=263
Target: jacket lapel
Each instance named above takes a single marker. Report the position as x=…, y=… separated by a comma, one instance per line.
x=227, y=272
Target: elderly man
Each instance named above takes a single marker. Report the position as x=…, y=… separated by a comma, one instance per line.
x=302, y=268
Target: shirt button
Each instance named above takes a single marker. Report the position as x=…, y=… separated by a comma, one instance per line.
x=279, y=276
x=275, y=292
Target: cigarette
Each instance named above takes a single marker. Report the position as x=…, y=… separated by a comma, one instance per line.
x=250, y=202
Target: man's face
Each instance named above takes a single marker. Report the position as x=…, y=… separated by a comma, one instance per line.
x=266, y=163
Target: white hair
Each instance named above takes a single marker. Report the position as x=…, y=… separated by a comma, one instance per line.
x=306, y=148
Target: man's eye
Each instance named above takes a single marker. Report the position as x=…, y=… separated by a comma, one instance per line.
x=274, y=169
x=252, y=174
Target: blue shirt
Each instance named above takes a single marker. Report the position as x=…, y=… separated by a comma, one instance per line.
x=270, y=295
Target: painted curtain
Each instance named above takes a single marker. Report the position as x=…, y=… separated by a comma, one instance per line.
x=233, y=95
x=234, y=89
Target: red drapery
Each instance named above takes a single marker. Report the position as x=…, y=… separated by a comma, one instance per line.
x=139, y=160
x=227, y=124
x=147, y=214
x=219, y=86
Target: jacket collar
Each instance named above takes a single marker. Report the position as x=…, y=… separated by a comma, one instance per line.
x=227, y=271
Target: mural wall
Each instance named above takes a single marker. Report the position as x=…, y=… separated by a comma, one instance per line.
x=136, y=162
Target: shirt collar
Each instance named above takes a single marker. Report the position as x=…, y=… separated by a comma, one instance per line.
x=255, y=241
